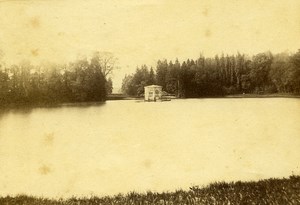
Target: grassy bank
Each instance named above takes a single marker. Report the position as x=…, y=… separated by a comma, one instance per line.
x=270, y=191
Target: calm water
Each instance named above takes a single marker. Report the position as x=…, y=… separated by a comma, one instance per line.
x=122, y=146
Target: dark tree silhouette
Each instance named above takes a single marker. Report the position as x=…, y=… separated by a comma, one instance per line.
x=236, y=74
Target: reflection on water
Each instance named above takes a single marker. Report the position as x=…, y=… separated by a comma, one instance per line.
x=121, y=146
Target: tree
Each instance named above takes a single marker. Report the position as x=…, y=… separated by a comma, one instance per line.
x=295, y=60
x=279, y=72
x=161, y=72
x=171, y=79
x=104, y=61
x=109, y=86
x=260, y=69
x=4, y=87
x=140, y=79
x=151, y=79
x=127, y=86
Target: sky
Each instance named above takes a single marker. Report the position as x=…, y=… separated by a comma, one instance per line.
x=141, y=32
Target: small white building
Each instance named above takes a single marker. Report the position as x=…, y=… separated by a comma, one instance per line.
x=153, y=92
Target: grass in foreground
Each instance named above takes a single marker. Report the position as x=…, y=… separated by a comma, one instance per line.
x=270, y=191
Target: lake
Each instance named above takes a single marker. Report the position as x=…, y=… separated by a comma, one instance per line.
x=121, y=146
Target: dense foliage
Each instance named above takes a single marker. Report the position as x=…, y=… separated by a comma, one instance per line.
x=48, y=83
x=263, y=73
x=271, y=191
x=133, y=85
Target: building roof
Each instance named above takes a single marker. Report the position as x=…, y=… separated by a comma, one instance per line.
x=153, y=86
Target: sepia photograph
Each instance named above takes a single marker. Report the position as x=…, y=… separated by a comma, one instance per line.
x=149, y=102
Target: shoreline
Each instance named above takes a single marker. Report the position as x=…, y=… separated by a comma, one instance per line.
x=263, y=96
x=224, y=96
x=88, y=103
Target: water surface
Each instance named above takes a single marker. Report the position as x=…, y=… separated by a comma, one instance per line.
x=123, y=146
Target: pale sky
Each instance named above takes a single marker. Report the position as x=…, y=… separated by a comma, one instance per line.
x=141, y=32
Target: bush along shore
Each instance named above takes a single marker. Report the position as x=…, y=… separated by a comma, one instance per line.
x=269, y=191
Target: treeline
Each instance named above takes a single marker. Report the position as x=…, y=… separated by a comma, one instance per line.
x=79, y=81
x=263, y=73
